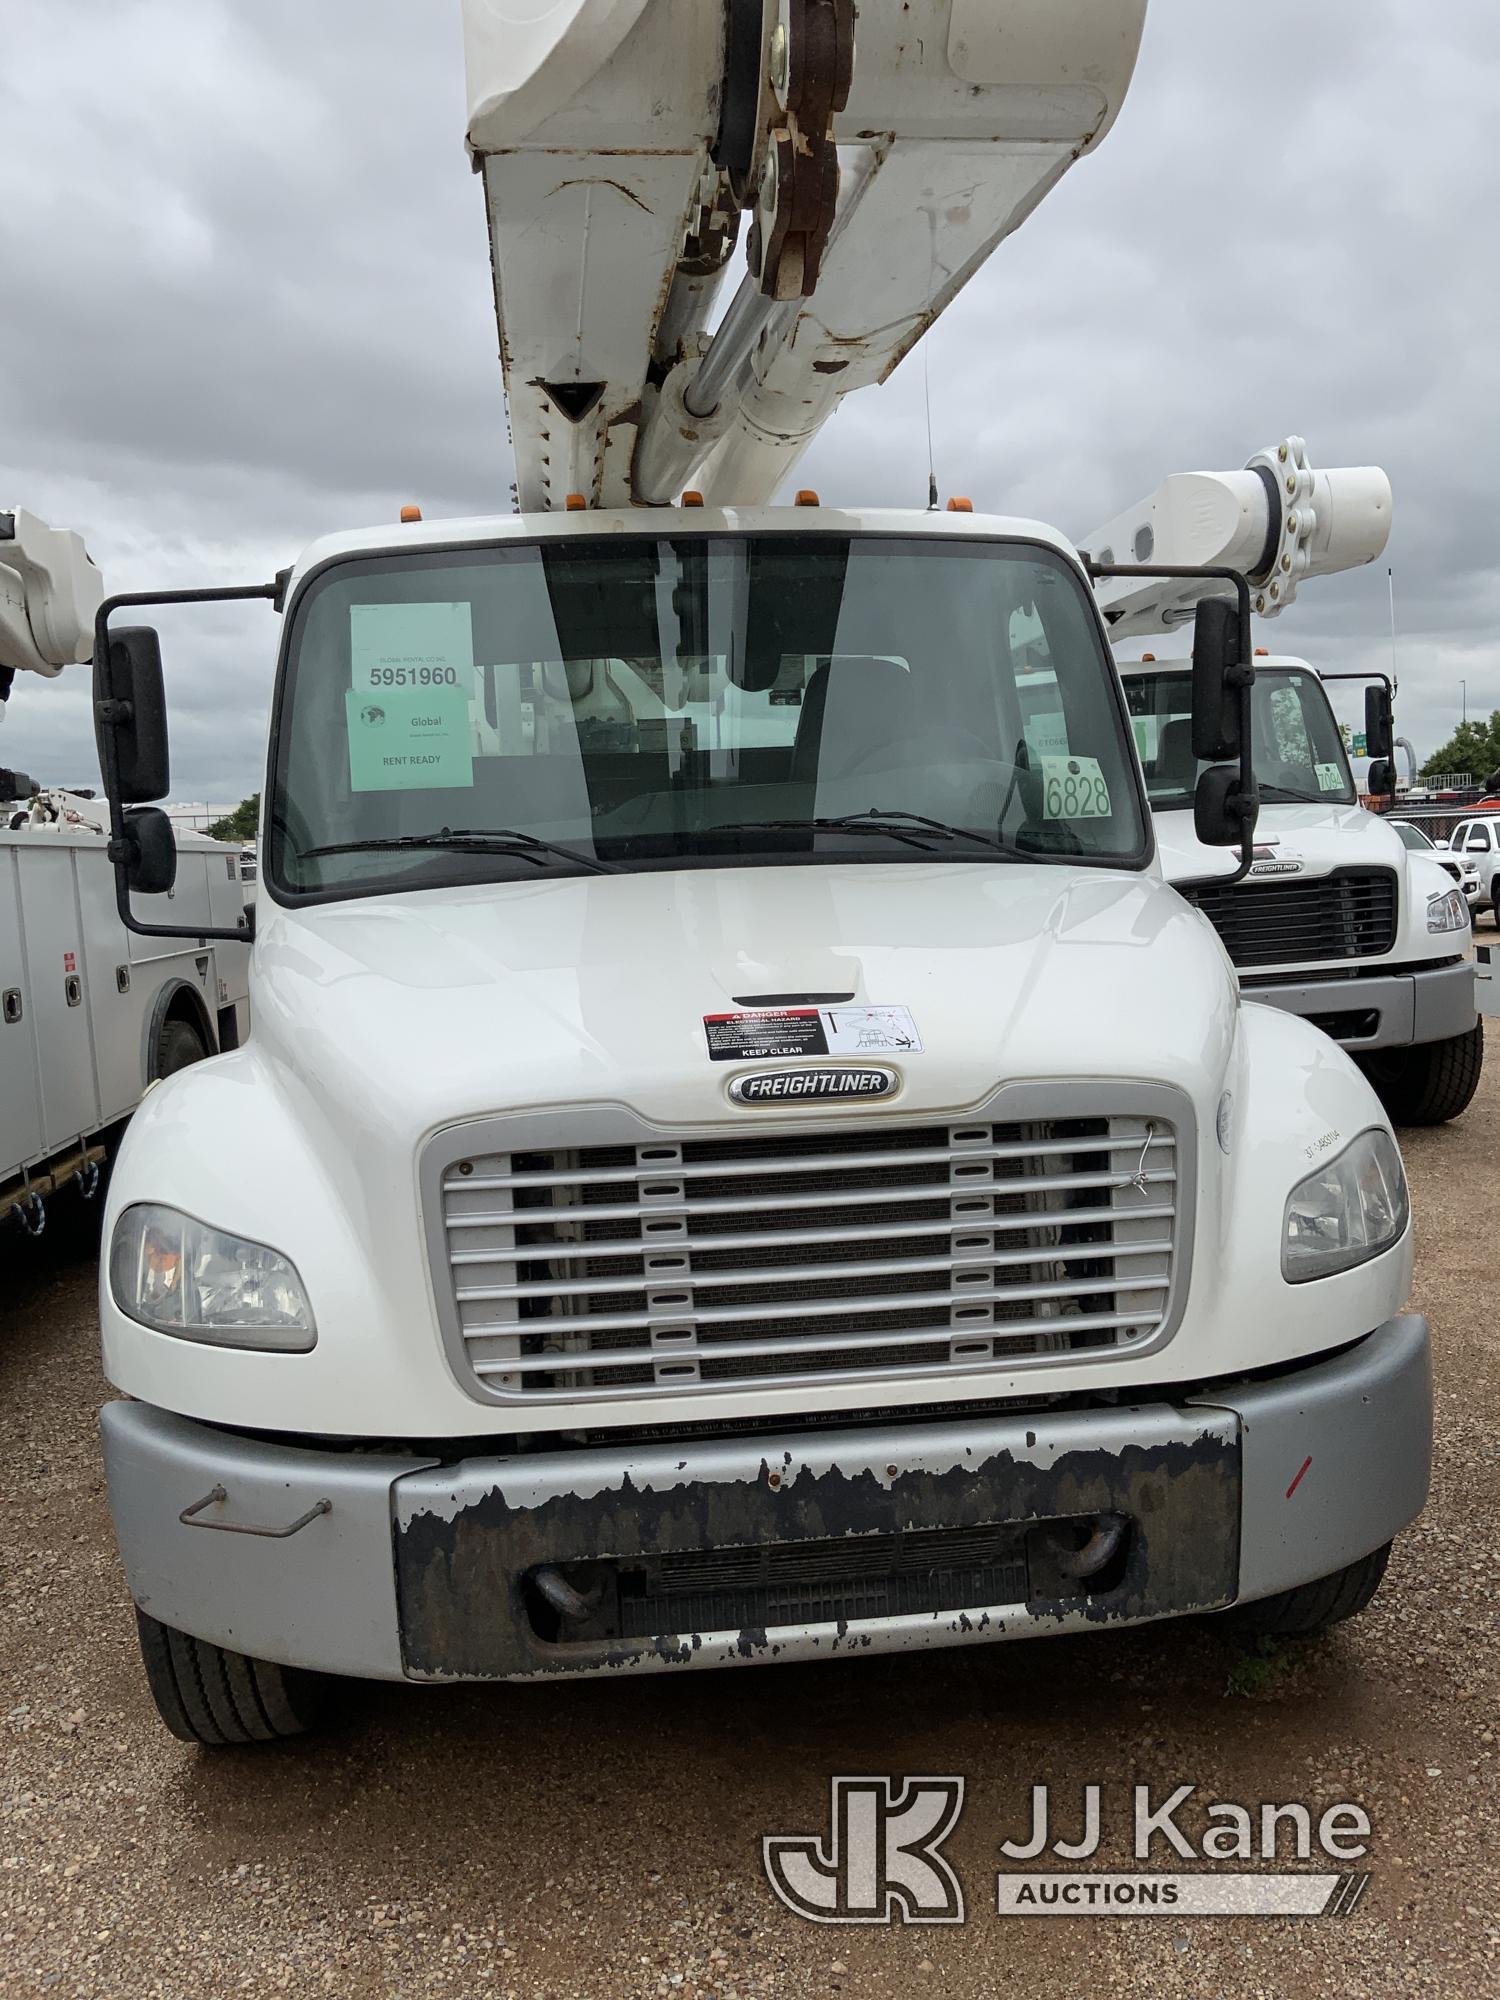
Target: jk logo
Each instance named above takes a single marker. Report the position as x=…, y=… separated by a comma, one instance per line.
x=880, y=1864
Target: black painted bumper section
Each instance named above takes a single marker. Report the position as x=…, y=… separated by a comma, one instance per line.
x=470, y=1539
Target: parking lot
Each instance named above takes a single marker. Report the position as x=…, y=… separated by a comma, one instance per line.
x=604, y=1838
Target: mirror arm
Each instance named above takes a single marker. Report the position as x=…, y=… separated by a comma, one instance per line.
x=1242, y=677
x=109, y=710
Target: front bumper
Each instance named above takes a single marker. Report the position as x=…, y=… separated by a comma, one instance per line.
x=392, y=1566
x=1379, y=1010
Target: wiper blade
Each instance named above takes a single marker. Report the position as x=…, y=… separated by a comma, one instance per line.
x=1284, y=795
x=471, y=840
x=895, y=822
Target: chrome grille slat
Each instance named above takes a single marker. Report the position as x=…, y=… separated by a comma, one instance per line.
x=581, y=1271
x=779, y=1238
x=799, y=1273
x=736, y=1350
x=843, y=1198
x=681, y=1306
x=937, y=1156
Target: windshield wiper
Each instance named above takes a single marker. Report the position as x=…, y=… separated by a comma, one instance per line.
x=1286, y=796
x=471, y=840
x=895, y=822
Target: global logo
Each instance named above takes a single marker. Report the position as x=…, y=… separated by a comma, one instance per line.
x=800, y=1086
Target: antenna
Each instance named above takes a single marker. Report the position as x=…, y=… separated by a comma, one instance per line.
x=932, y=485
x=1390, y=577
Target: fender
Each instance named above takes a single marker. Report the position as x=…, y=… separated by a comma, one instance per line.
x=166, y=999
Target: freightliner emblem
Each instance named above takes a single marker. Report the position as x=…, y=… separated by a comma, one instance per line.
x=797, y=1086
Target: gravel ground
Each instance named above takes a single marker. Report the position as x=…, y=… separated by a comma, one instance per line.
x=602, y=1839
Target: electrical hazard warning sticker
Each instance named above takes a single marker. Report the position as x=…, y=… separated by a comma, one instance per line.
x=811, y=1031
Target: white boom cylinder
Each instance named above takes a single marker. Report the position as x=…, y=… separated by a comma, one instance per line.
x=49, y=593
x=1279, y=522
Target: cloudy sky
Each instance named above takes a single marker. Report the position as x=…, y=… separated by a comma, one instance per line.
x=244, y=300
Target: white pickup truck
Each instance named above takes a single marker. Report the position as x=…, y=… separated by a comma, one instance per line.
x=1338, y=920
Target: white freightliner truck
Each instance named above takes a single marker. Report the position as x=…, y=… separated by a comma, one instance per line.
x=1336, y=920
x=741, y=1154
x=90, y=1014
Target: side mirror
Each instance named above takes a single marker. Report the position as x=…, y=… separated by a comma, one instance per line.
x=150, y=851
x=1216, y=684
x=1442, y=847
x=1382, y=779
x=1224, y=814
x=131, y=708
x=1380, y=725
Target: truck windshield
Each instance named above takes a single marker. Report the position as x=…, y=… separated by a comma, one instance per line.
x=694, y=701
x=1299, y=753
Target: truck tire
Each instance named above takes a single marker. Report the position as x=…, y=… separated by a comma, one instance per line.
x=178, y=1044
x=1431, y=1083
x=206, y=1694
x=1312, y=1607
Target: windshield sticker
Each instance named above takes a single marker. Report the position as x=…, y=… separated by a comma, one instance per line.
x=1330, y=777
x=810, y=1031
x=411, y=646
x=1047, y=734
x=1074, y=788
x=409, y=740
x=408, y=711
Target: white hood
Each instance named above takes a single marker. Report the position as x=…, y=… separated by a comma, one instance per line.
x=594, y=990
x=1320, y=838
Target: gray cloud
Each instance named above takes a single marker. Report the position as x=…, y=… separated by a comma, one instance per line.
x=247, y=300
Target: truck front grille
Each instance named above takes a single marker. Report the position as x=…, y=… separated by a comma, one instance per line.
x=1350, y=914
x=924, y=1251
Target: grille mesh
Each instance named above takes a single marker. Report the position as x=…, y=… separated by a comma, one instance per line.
x=910, y=1252
x=1350, y=914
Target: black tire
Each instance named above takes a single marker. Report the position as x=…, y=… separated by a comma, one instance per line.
x=1432, y=1083
x=206, y=1694
x=1312, y=1607
x=178, y=1044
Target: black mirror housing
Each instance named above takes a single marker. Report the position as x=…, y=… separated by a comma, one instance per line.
x=1380, y=726
x=132, y=707
x=1216, y=691
x=1223, y=814
x=150, y=851
x=1382, y=778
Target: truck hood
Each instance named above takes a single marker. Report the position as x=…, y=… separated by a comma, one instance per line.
x=1319, y=838
x=412, y=1011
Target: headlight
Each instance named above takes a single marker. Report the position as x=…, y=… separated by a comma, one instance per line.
x=1448, y=912
x=180, y=1276
x=1350, y=1210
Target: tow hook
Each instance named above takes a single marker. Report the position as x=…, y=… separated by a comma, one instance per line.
x=1109, y=1532
x=570, y=1604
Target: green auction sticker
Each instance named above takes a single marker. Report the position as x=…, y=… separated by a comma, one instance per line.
x=409, y=739
x=411, y=646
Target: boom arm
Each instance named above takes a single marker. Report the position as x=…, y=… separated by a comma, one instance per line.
x=881, y=154
x=1278, y=522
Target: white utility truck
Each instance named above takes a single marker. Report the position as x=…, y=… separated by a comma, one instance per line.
x=741, y=1155
x=1337, y=920
x=90, y=1014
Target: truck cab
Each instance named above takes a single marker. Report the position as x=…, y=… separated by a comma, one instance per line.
x=1337, y=920
x=741, y=1154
